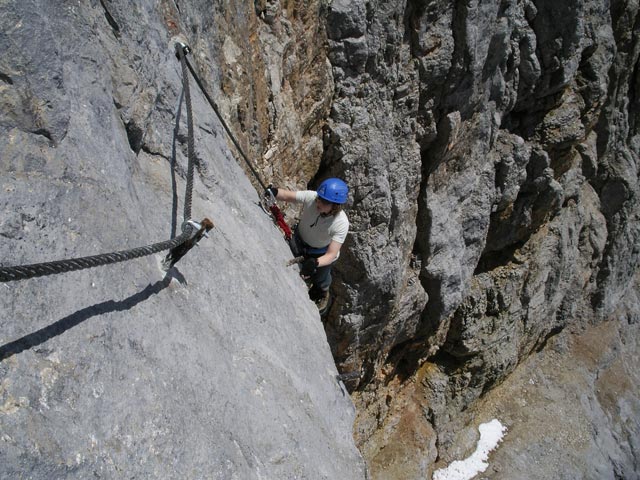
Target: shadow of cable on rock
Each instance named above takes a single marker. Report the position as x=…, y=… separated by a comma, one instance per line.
x=58, y=328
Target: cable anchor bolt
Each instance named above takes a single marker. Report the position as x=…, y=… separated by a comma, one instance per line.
x=196, y=232
x=180, y=46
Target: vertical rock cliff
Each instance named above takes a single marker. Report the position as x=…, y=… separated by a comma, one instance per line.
x=219, y=369
x=491, y=270
x=492, y=151
x=492, y=147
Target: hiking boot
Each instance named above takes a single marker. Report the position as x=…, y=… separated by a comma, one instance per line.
x=315, y=293
x=323, y=302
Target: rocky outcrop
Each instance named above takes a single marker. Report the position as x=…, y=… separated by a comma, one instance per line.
x=503, y=177
x=501, y=127
x=220, y=369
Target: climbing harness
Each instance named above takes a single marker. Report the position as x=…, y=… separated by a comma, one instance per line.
x=192, y=232
x=268, y=201
x=300, y=247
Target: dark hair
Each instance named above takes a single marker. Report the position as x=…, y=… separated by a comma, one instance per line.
x=335, y=209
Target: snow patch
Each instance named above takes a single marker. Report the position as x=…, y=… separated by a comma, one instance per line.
x=491, y=434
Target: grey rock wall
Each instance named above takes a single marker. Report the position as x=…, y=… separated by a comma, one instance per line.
x=219, y=369
x=492, y=120
x=492, y=149
x=371, y=142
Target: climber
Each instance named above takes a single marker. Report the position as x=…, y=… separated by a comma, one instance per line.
x=319, y=234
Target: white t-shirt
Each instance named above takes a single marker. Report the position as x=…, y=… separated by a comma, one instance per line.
x=318, y=231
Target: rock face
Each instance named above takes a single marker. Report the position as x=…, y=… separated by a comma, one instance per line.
x=219, y=369
x=506, y=154
x=492, y=152
x=274, y=82
x=572, y=405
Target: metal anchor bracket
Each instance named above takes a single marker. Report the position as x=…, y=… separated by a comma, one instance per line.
x=198, y=230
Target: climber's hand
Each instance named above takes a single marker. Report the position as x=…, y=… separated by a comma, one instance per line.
x=269, y=191
x=309, y=267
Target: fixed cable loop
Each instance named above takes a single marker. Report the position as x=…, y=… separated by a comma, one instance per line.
x=182, y=47
x=192, y=232
x=190, y=228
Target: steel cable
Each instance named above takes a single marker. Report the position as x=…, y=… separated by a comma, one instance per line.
x=23, y=272
x=270, y=207
x=190, y=140
x=224, y=124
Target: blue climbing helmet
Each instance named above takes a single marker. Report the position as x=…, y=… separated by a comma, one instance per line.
x=333, y=190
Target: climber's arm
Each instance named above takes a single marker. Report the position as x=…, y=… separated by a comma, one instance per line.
x=286, y=195
x=331, y=255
